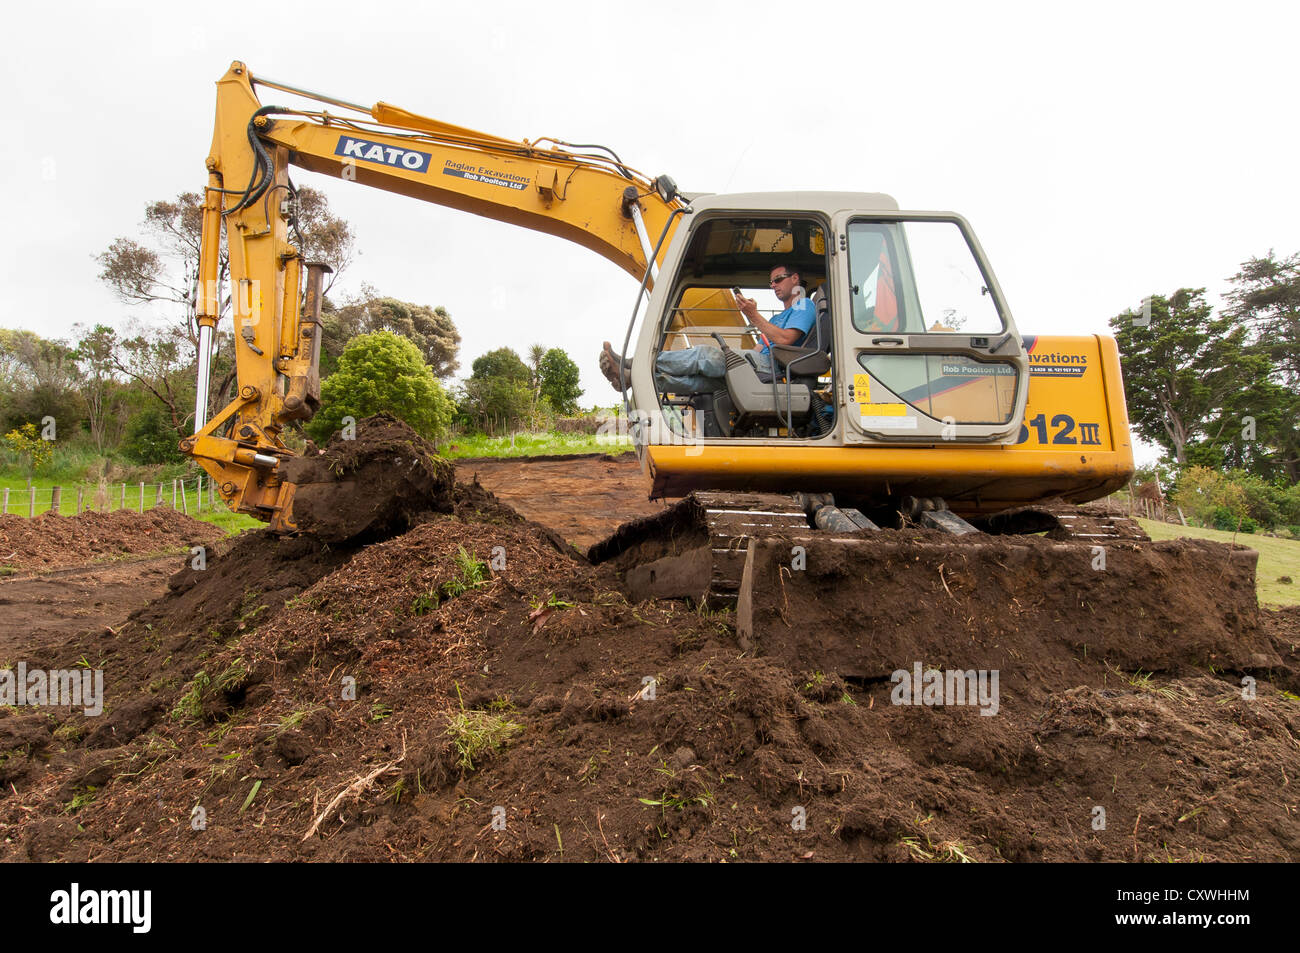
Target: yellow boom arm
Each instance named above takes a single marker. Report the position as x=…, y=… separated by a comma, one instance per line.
x=588, y=198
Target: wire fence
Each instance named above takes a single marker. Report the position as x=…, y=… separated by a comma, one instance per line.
x=185, y=496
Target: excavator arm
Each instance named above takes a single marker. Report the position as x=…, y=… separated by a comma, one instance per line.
x=589, y=197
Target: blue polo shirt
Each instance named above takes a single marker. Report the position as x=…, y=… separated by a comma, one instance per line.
x=801, y=315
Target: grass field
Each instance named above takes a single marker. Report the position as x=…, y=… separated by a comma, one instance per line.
x=19, y=499
x=533, y=445
x=1277, y=558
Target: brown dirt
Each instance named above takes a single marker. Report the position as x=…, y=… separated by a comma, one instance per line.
x=229, y=693
x=583, y=497
x=49, y=608
x=50, y=541
x=378, y=482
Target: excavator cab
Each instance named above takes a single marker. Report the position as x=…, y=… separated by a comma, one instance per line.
x=912, y=342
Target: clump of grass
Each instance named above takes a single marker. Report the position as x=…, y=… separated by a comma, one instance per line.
x=71, y=731
x=232, y=677
x=944, y=852
x=474, y=733
x=79, y=800
x=295, y=718
x=1142, y=682
x=679, y=801
x=189, y=707
x=472, y=572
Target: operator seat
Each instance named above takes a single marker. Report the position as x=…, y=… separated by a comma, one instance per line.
x=788, y=399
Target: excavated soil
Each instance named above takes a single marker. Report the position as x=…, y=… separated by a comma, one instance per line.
x=377, y=480
x=50, y=541
x=470, y=688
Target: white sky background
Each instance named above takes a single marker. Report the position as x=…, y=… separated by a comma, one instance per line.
x=1102, y=152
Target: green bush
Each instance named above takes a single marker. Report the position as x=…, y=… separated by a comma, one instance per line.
x=150, y=438
x=382, y=372
x=1222, y=518
x=495, y=405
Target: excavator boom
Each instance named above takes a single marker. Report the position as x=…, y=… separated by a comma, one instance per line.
x=589, y=197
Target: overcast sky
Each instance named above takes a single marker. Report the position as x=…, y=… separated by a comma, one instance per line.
x=1101, y=151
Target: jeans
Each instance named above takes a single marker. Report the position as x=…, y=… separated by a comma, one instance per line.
x=701, y=369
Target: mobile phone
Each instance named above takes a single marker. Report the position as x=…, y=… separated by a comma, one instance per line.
x=735, y=290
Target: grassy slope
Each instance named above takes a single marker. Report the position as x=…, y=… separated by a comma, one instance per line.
x=1277, y=557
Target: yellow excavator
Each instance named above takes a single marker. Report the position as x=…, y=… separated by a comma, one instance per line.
x=913, y=395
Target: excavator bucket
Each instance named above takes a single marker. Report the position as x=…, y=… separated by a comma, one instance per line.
x=374, y=481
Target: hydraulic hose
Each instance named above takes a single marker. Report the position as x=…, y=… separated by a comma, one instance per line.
x=256, y=185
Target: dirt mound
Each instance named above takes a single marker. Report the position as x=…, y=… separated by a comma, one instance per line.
x=50, y=541
x=378, y=481
x=1041, y=612
x=469, y=690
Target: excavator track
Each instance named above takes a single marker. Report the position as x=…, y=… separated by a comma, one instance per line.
x=697, y=547
x=1063, y=521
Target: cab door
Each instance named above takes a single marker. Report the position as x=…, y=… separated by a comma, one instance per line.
x=929, y=350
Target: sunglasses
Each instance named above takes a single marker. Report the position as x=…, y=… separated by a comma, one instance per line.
x=777, y=281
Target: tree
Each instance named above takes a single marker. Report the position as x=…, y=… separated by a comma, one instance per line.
x=157, y=360
x=382, y=372
x=150, y=437
x=164, y=268
x=499, y=393
x=559, y=381
x=99, y=389
x=1181, y=372
x=503, y=362
x=1265, y=298
x=430, y=329
x=536, y=353
x=40, y=379
x=496, y=404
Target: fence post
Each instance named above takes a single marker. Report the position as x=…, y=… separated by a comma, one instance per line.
x=198, y=502
x=80, y=492
x=6, y=509
x=185, y=506
x=56, y=498
x=141, y=497
x=123, y=506
x=31, y=501
x=212, y=493
x=157, y=500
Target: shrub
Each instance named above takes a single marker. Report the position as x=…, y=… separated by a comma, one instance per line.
x=382, y=372
x=150, y=438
